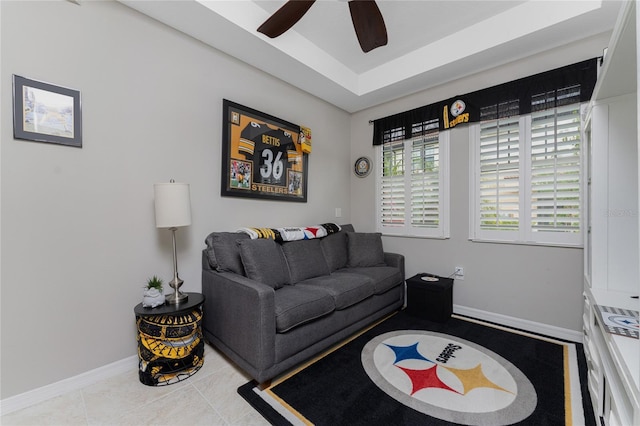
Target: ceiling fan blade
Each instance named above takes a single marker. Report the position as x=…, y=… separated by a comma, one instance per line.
x=368, y=23
x=285, y=17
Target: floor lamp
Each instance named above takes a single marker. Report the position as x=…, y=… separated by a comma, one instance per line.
x=173, y=210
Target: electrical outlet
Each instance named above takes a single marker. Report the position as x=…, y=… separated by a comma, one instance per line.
x=459, y=273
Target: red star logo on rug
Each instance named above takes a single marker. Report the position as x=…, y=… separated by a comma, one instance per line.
x=428, y=378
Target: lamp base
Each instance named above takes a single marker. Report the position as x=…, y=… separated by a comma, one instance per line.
x=176, y=298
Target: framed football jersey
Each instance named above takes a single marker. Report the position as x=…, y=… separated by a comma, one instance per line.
x=262, y=156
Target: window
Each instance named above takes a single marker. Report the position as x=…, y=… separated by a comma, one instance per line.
x=526, y=161
x=413, y=186
x=526, y=176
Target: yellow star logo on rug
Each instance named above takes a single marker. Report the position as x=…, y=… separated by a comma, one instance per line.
x=474, y=378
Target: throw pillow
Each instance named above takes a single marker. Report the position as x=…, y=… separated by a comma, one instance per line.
x=305, y=259
x=365, y=249
x=264, y=262
x=223, y=252
x=334, y=247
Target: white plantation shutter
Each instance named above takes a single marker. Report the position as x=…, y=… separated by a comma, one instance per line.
x=413, y=187
x=425, y=180
x=556, y=164
x=499, y=185
x=498, y=171
x=392, y=184
x=527, y=171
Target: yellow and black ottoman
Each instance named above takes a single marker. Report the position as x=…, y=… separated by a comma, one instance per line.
x=170, y=344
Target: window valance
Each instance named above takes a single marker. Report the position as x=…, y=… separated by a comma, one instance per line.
x=518, y=97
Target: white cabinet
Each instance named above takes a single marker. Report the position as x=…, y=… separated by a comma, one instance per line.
x=613, y=365
x=612, y=244
x=614, y=247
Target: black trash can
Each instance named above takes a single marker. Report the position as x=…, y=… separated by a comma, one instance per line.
x=430, y=296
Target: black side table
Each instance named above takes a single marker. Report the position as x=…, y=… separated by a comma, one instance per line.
x=430, y=296
x=170, y=344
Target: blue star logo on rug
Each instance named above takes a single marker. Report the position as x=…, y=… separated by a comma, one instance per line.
x=448, y=378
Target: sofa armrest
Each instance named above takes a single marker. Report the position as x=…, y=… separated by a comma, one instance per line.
x=206, y=265
x=240, y=312
x=395, y=260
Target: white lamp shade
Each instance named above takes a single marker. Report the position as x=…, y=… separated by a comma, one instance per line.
x=173, y=205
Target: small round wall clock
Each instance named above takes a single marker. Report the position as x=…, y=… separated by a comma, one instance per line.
x=362, y=167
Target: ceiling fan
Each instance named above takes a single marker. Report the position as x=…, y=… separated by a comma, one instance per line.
x=365, y=15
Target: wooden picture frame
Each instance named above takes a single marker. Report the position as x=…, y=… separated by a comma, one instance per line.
x=44, y=112
x=261, y=156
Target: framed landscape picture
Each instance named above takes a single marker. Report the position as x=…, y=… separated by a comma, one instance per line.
x=261, y=156
x=43, y=112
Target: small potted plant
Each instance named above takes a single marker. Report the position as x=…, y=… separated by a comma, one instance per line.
x=153, y=295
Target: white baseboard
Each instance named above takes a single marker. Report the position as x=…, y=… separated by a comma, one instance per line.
x=522, y=324
x=35, y=396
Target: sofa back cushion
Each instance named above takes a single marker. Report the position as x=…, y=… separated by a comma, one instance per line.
x=334, y=247
x=365, y=249
x=347, y=228
x=264, y=262
x=305, y=259
x=223, y=252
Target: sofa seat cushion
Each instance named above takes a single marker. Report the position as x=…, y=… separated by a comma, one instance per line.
x=346, y=289
x=305, y=259
x=296, y=305
x=384, y=277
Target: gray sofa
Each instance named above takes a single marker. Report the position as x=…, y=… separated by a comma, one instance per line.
x=270, y=306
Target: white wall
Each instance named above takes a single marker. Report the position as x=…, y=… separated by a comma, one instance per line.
x=78, y=233
x=540, y=284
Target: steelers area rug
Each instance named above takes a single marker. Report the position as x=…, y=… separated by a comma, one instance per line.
x=411, y=371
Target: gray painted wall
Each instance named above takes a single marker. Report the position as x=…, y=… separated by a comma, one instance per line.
x=78, y=232
x=535, y=283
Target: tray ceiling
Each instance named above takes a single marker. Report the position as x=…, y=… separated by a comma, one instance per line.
x=430, y=42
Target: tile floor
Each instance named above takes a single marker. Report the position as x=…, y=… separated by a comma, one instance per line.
x=209, y=397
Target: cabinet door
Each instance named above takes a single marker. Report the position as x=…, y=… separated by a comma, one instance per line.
x=587, y=202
